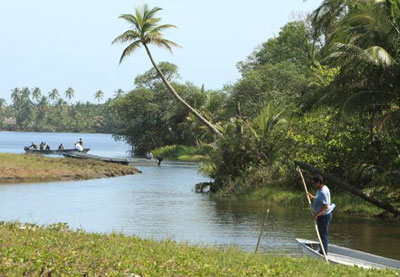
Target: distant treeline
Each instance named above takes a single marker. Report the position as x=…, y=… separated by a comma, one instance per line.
x=30, y=110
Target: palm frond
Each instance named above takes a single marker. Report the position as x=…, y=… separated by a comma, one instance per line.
x=164, y=43
x=126, y=36
x=130, y=49
x=131, y=19
x=163, y=27
x=379, y=56
x=148, y=14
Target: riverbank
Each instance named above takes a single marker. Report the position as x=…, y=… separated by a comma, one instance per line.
x=16, y=168
x=180, y=153
x=345, y=203
x=55, y=250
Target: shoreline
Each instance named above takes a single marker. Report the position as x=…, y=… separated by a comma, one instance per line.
x=25, y=168
x=345, y=203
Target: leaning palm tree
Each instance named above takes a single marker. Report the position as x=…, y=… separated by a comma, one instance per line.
x=99, y=96
x=145, y=31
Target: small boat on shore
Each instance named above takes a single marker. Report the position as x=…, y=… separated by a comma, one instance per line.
x=80, y=155
x=347, y=256
x=53, y=152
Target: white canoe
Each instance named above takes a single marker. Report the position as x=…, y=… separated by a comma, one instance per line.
x=346, y=256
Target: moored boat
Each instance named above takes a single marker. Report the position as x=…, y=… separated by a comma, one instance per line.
x=80, y=155
x=53, y=152
x=347, y=256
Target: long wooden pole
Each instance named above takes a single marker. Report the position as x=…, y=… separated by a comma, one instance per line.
x=262, y=229
x=315, y=222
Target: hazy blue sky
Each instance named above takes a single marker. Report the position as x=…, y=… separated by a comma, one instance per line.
x=60, y=44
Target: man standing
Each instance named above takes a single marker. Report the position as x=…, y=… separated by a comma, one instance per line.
x=322, y=209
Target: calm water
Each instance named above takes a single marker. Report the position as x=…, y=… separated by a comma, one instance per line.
x=160, y=203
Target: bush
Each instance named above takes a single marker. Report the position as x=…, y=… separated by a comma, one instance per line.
x=180, y=153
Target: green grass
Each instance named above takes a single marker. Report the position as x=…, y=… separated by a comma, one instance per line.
x=180, y=153
x=30, y=250
x=344, y=203
x=35, y=168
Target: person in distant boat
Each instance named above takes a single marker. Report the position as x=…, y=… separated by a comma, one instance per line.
x=33, y=146
x=78, y=146
x=80, y=142
x=61, y=147
x=149, y=156
x=41, y=146
x=323, y=208
x=159, y=159
x=47, y=147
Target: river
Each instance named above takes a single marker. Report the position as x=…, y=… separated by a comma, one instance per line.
x=160, y=203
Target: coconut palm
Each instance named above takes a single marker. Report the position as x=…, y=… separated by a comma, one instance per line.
x=145, y=31
x=36, y=94
x=364, y=42
x=54, y=95
x=118, y=93
x=99, y=96
x=69, y=93
x=15, y=95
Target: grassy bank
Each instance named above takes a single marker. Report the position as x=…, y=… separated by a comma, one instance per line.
x=344, y=203
x=180, y=153
x=29, y=250
x=266, y=184
x=34, y=168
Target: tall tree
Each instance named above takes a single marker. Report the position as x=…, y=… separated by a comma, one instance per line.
x=99, y=96
x=54, y=95
x=365, y=34
x=145, y=31
x=118, y=93
x=69, y=93
x=36, y=94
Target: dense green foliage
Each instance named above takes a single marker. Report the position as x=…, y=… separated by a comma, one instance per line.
x=180, y=153
x=324, y=91
x=32, y=111
x=30, y=250
x=151, y=118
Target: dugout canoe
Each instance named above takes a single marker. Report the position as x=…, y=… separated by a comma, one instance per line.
x=347, y=256
x=80, y=155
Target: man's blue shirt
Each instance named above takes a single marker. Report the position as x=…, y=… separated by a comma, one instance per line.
x=323, y=197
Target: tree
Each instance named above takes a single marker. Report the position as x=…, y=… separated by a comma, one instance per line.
x=36, y=94
x=69, y=93
x=365, y=34
x=118, y=93
x=99, y=96
x=54, y=95
x=145, y=31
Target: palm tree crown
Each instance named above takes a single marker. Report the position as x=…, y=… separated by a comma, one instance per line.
x=99, y=96
x=54, y=95
x=145, y=31
x=69, y=93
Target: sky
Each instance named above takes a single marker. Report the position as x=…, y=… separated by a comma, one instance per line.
x=60, y=44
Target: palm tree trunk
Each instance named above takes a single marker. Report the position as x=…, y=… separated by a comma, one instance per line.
x=210, y=126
